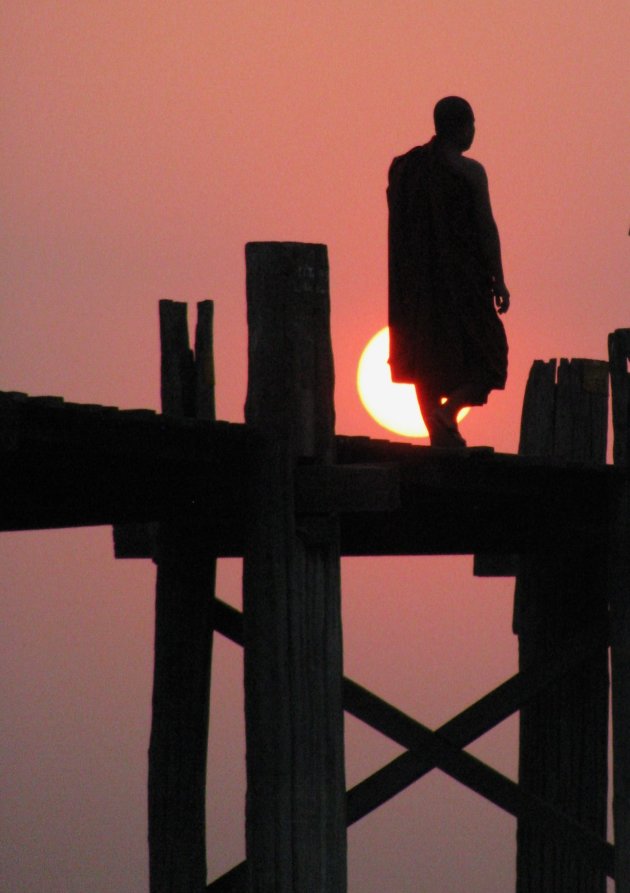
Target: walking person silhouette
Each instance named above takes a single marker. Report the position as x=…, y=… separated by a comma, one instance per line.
x=446, y=284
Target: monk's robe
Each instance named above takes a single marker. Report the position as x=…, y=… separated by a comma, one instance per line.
x=444, y=328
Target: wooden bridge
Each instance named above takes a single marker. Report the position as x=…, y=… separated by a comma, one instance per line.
x=292, y=498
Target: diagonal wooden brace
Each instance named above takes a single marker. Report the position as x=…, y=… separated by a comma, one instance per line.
x=427, y=750
x=440, y=752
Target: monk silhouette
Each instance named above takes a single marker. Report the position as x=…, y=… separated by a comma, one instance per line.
x=446, y=283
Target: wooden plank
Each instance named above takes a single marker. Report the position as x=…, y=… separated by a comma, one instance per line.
x=295, y=808
x=186, y=569
x=559, y=594
x=619, y=595
x=138, y=414
x=48, y=401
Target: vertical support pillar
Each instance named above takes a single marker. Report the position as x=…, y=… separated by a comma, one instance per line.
x=296, y=829
x=561, y=594
x=619, y=593
x=183, y=639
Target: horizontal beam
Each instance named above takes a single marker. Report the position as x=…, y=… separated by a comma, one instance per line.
x=71, y=465
x=467, y=501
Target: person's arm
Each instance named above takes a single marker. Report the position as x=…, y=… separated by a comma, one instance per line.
x=489, y=233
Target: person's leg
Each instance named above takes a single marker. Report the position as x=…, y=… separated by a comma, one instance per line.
x=441, y=426
x=466, y=395
x=428, y=401
x=444, y=423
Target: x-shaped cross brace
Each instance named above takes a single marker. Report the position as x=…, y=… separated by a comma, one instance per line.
x=444, y=749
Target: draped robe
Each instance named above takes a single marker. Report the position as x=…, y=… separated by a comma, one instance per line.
x=444, y=328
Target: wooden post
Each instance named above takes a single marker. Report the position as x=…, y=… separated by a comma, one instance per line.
x=204, y=362
x=296, y=836
x=619, y=357
x=619, y=593
x=183, y=641
x=561, y=594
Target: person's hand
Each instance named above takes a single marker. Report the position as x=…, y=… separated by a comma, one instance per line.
x=501, y=297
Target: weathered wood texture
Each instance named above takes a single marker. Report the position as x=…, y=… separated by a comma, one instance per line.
x=560, y=594
x=619, y=593
x=204, y=362
x=296, y=838
x=183, y=649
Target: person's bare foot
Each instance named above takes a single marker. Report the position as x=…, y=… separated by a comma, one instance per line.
x=444, y=430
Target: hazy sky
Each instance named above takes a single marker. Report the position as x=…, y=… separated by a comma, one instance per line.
x=143, y=143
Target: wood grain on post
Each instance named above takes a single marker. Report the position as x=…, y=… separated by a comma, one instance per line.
x=204, y=362
x=296, y=836
x=560, y=594
x=177, y=367
x=183, y=649
x=538, y=418
x=619, y=594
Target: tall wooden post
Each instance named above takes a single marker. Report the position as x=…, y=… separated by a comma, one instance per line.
x=183, y=638
x=296, y=836
x=619, y=590
x=561, y=595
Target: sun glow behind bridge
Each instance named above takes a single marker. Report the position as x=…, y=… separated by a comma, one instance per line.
x=393, y=406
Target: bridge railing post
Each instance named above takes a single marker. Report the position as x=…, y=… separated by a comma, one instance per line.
x=186, y=568
x=560, y=594
x=295, y=811
x=619, y=594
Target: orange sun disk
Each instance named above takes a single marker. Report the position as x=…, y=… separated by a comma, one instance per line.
x=393, y=406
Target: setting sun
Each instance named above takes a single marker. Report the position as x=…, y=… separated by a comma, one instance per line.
x=393, y=406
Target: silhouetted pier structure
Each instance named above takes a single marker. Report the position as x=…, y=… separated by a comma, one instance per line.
x=292, y=498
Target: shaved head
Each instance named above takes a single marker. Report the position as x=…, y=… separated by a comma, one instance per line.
x=452, y=115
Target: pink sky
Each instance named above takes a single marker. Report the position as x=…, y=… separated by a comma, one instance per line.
x=143, y=144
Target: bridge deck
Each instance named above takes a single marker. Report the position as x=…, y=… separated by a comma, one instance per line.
x=69, y=465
